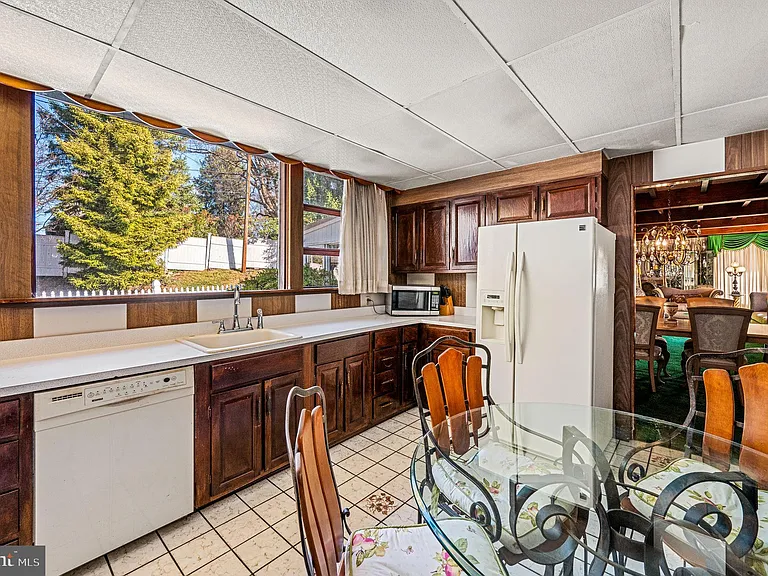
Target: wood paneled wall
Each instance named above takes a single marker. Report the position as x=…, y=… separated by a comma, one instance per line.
x=146, y=314
x=271, y=305
x=458, y=285
x=587, y=164
x=339, y=301
x=746, y=151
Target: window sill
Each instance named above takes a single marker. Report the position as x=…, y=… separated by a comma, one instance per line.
x=138, y=298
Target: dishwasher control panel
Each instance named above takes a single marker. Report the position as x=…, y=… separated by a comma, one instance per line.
x=106, y=392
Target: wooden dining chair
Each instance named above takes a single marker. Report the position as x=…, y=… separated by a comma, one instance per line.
x=716, y=329
x=646, y=349
x=402, y=550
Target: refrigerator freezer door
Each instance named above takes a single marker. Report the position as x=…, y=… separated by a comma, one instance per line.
x=555, y=311
x=496, y=265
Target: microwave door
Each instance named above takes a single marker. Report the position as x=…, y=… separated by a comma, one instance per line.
x=412, y=300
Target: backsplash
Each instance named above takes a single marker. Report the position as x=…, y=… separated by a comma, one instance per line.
x=463, y=286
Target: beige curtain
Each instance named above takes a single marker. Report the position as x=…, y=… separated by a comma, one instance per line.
x=364, y=240
x=755, y=279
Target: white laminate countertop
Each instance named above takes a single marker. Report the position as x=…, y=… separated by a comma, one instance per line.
x=48, y=371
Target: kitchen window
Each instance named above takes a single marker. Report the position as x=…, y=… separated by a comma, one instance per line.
x=323, y=196
x=122, y=208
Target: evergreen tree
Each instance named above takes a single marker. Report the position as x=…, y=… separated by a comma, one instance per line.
x=125, y=197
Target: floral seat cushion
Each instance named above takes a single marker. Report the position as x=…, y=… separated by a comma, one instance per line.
x=495, y=464
x=414, y=550
x=716, y=493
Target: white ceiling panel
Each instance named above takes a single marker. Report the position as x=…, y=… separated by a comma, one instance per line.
x=99, y=19
x=614, y=76
x=36, y=50
x=404, y=49
x=519, y=27
x=491, y=114
x=144, y=87
x=415, y=182
x=338, y=154
x=467, y=171
x=633, y=140
x=534, y=156
x=220, y=45
x=406, y=138
x=726, y=121
x=724, y=52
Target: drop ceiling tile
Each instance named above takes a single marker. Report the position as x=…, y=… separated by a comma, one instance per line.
x=415, y=182
x=738, y=118
x=633, y=140
x=518, y=27
x=341, y=155
x=218, y=44
x=406, y=138
x=98, y=19
x=467, y=171
x=404, y=49
x=141, y=86
x=724, y=50
x=615, y=76
x=534, y=156
x=64, y=60
x=491, y=114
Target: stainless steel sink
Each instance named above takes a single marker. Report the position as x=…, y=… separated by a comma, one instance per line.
x=234, y=340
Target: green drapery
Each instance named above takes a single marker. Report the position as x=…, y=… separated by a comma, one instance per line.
x=737, y=241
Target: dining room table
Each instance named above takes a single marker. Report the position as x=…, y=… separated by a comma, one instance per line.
x=558, y=489
x=680, y=325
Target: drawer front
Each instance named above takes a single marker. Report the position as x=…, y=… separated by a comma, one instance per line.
x=340, y=349
x=432, y=333
x=9, y=516
x=9, y=466
x=385, y=406
x=410, y=334
x=385, y=383
x=384, y=360
x=440, y=349
x=255, y=368
x=384, y=338
x=9, y=419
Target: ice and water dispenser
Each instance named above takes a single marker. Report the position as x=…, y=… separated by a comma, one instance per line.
x=492, y=315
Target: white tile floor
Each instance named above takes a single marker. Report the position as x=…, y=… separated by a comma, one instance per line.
x=255, y=531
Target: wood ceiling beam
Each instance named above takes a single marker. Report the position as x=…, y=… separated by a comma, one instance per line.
x=730, y=192
x=756, y=208
x=746, y=225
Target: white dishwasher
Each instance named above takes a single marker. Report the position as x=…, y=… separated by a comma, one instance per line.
x=113, y=461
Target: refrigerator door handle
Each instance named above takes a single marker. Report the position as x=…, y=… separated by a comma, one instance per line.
x=508, y=308
x=518, y=311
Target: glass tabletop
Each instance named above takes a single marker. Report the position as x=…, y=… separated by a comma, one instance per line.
x=558, y=485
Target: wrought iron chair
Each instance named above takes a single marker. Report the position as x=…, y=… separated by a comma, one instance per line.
x=407, y=550
x=706, y=482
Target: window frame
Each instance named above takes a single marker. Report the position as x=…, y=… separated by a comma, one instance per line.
x=309, y=251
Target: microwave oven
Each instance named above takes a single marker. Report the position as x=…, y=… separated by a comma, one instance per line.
x=413, y=301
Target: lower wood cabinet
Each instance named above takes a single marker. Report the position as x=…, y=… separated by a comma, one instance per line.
x=357, y=395
x=330, y=377
x=236, y=438
x=16, y=433
x=275, y=399
x=407, y=352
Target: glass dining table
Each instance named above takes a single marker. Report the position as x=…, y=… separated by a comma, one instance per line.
x=558, y=489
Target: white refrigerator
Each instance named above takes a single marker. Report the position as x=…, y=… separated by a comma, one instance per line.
x=545, y=310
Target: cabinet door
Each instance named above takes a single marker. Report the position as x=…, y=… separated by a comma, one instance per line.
x=467, y=215
x=568, y=199
x=275, y=397
x=408, y=352
x=435, y=243
x=516, y=205
x=405, y=239
x=235, y=438
x=357, y=396
x=330, y=377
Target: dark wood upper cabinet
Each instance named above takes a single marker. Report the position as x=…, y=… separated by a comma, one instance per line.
x=330, y=377
x=405, y=239
x=275, y=398
x=236, y=433
x=435, y=243
x=467, y=215
x=511, y=206
x=357, y=396
x=568, y=199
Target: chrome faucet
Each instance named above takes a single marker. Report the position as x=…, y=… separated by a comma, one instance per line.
x=236, y=317
x=259, y=319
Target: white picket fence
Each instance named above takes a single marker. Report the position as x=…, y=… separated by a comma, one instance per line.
x=212, y=252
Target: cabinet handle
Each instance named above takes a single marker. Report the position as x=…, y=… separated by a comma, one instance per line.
x=388, y=361
x=269, y=404
x=535, y=204
x=258, y=407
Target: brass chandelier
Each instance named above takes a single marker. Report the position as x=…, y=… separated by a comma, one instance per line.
x=669, y=244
